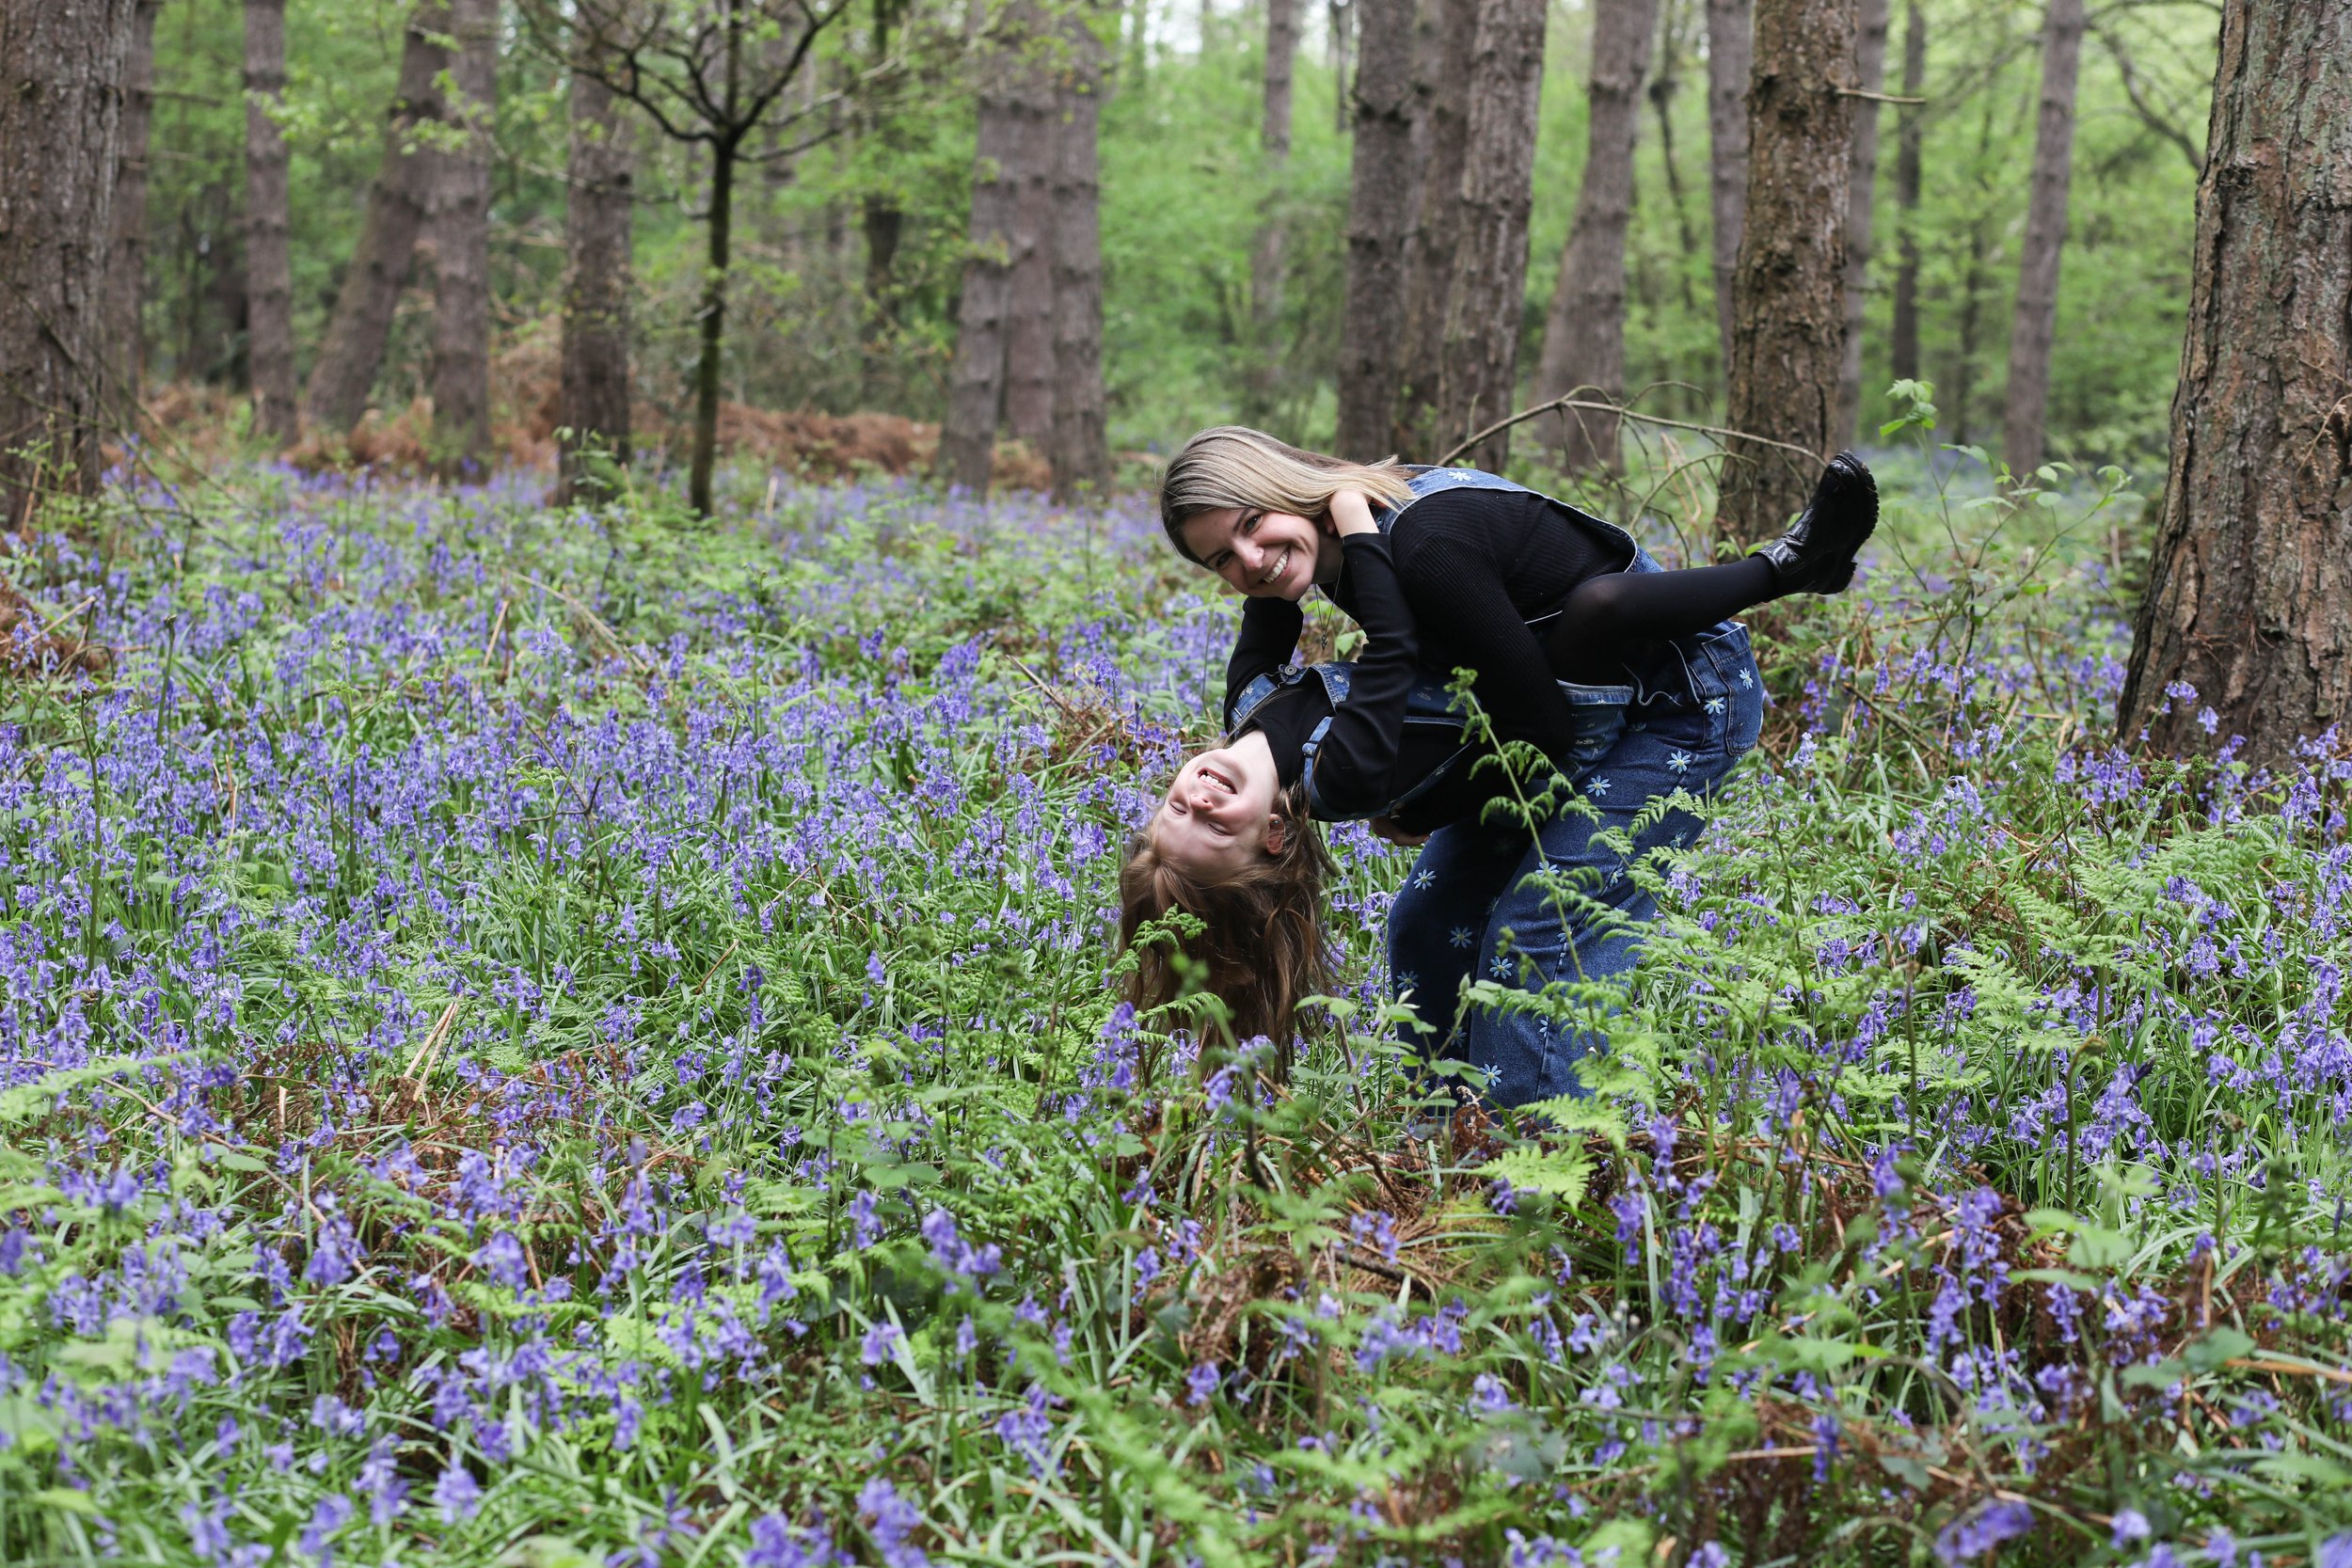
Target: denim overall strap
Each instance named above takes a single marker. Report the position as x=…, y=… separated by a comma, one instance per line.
x=1336, y=679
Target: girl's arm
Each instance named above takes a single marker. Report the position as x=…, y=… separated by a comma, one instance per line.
x=1359, y=751
x=1269, y=635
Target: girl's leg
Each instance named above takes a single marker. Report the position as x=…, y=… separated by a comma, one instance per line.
x=1606, y=618
x=1589, y=925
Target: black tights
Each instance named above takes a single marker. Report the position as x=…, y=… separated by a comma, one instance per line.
x=1606, y=619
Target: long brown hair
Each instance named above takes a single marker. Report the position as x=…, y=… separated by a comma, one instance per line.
x=1261, y=944
x=1231, y=465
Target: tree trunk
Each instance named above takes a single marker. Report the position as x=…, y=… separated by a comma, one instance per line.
x=2035, y=322
x=975, y=387
x=126, y=264
x=1730, y=52
x=1963, y=400
x=268, y=262
x=461, y=224
x=1265, y=256
x=1790, y=320
x=60, y=123
x=1429, y=268
x=1478, y=367
x=1662, y=88
x=1904, y=338
x=2250, y=595
x=1081, y=450
x=354, y=346
x=1340, y=18
x=1870, y=74
x=1381, y=199
x=1585, y=334
x=593, y=406
x=714, y=316
x=1029, y=326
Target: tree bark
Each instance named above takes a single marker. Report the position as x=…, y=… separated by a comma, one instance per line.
x=1445, y=65
x=1662, y=88
x=1585, y=334
x=60, y=125
x=1029, y=324
x=461, y=224
x=1381, y=211
x=1081, y=449
x=354, y=347
x=1265, y=256
x=1730, y=54
x=1903, y=335
x=593, y=400
x=1790, y=320
x=975, y=387
x=2035, y=322
x=1478, y=367
x=1870, y=75
x=126, y=264
x=268, y=261
x=720, y=236
x=2250, y=595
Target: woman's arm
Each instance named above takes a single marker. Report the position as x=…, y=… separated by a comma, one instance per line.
x=1454, y=583
x=1359, y=751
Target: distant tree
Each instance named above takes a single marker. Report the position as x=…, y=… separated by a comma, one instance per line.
x=60, y=125
x=1861, y=199
x=1789, y=315
x=592, y=400
x=268, y=258
x=1382, y=203
x=2034, y=324
x=1080, y=448
x=2250, y=590
x=1665, y=83
x=1013, y=105
x=126, y=266
x=353, y=350
x=1030, y=284
x=1584, y=332
x=708, y=74
x=1903, y=330
x=1265, y=256
x=1730, y=50
x=459, y=202
x=1478, y=366
x=1444, y=66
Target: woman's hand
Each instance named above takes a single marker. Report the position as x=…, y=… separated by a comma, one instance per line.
x=1351, y=513
x=1384, y=828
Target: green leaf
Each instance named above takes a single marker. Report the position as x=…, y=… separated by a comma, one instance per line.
x=2216, y=1346
x=1565, y=1173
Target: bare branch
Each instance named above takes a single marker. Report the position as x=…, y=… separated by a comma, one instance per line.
x=2161, y=123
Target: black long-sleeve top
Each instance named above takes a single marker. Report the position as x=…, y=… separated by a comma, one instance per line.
x=1475, y=566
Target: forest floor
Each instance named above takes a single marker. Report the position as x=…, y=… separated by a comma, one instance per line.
x=559, y=1039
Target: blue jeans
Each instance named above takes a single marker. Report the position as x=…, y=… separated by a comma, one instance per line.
x=1468, y=910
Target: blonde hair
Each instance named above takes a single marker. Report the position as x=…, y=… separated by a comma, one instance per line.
x=1230, y=464
x=1261, y=948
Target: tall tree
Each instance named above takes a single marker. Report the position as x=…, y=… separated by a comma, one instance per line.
x=1664, y=85
x=710, y=74
x=1029, y=295
x=2250, y=591
x=1730, y=50
x=1382, y=199
x=1478, y=367
x=1080, y=449
x=1861, y=194
x=460, y=206
x=1010, y=114
x=593, y=407
x=1585, y=334
x=268, y=259
x=126, y=263
x=1903, y=331
x=1265, y=256
x=60, y=121
x=353, y=350
x=1789, y=317
x=2034, y=325
x=1444, y=63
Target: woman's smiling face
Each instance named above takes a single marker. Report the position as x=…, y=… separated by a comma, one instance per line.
x=1266, y=555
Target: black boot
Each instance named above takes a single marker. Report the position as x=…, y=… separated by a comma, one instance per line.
x=1816, y=555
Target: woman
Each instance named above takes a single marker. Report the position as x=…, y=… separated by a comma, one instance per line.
x=1485, y=567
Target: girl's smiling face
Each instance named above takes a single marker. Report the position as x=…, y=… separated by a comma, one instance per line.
x=1219, y=812
x=1266, y=555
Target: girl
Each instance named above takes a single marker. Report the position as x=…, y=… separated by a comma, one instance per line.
x=1638, y=689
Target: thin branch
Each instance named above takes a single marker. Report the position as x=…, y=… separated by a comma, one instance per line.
x=1601, y=406
x=2160, y=123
